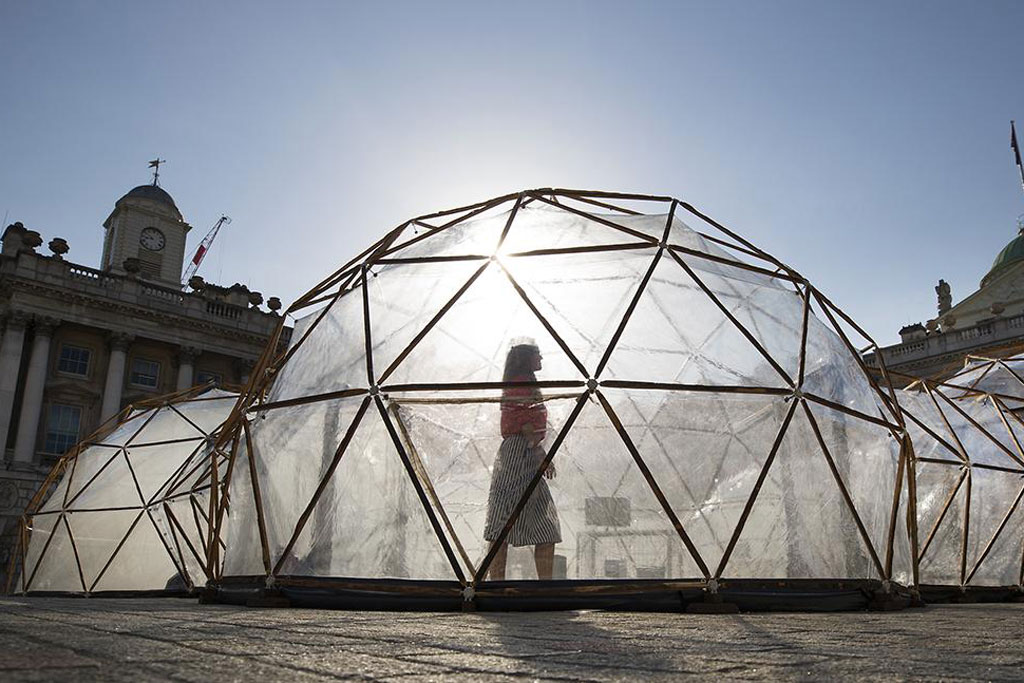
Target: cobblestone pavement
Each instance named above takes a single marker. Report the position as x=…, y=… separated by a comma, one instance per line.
x=175, y=639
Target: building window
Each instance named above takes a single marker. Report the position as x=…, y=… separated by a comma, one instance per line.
x=74, y=360
x=203, y=376
x=145, y=373
x=62, y=425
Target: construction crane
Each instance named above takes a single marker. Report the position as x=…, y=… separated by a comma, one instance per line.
x=204, y=247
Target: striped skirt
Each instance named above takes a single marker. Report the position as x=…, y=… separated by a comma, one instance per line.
x=514, y=467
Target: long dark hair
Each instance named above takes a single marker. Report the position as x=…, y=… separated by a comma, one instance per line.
x=519, y=363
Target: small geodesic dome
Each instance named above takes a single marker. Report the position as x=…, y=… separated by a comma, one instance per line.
x=708, y=417
x=969, y=466
x=1001, y=377
x=128, y=508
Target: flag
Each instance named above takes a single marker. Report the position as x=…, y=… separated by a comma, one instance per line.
x=199, y=255
x=1016, y=153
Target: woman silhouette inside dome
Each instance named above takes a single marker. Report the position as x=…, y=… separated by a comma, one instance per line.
x=524, y=421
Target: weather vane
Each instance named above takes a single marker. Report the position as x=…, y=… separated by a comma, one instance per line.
x=155, y=165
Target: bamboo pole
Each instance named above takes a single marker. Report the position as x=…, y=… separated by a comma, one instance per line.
x=655, y=489
x=628, y=313
x=430, y=324
x=995, y=536
x=481, y=571
x=597, y=219
x=762, y=475
x=966, y=530
x=844, y=491
x=894, y=514
x=303, y=400
x=907, y=446
x=728, y=314
x=74, y=549
x=544, y=321
x=322, y=486
x=421, y=471
x=110, y=560
x=257, y=498
x=589, y=249
x=418, y=486
x=942, y=513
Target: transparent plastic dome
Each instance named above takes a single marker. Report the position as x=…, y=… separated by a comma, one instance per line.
x=706, y=416
x=128, y=508
x=970, y=482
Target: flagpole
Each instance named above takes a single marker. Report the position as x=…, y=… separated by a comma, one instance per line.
x=1016, y=153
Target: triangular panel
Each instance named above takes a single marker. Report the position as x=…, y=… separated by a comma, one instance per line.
x=370, y=522
x=583, y=296
x=705, y=451
x=800, y=527
x=471, y=341
x=702, y=346
x=142, y=563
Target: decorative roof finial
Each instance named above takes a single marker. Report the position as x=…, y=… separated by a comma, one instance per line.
x=155, y=165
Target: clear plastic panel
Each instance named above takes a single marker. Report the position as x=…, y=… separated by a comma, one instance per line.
x=705, y=451
x=545, y=227
x=97, y=536
x=702, y=346
x=940, y=558
x=243, y=552
x=55, y=501
x=993, y=495
x=867, y=457
x=57, y=570
x=142, y=563
x=1004, y=564
x=40, y=529
x=612, y=523
x=370, y=522
x=210, y=412
x=800, y=527
x=455, y=445
x=473, y=237
x=403, y=299
x=928, y=431
x=831, y=372
x=127, y=429
x=981, y=431
x=583, y=296
x=155, y=466
x=332, y=357
x=293, y=447
x=90, y=463
x=471, y=341
x=186, y=538
x=113, y=487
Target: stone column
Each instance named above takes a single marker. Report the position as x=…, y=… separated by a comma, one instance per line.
x=32, y=398
x=186, y=366
x=10, y=364
x=119, y=344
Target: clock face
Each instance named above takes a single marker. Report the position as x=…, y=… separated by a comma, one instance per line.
x=152, y=239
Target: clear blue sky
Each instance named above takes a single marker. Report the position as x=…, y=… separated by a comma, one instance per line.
x=864, y=143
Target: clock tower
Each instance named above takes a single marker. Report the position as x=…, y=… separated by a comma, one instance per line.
x=146, y=225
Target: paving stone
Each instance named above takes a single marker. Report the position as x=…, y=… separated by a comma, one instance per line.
x=171, y=639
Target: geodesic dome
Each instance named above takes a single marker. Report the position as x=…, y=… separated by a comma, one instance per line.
x=707, y=416
x=128, y=508
x=969, y=466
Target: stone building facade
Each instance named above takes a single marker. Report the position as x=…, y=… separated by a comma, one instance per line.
x=988, y=322
x=79, y=343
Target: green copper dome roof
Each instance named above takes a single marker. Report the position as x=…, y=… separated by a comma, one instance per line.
x=1011, y=253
